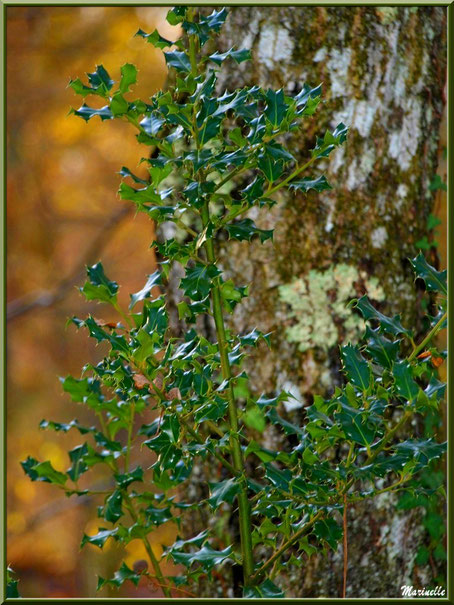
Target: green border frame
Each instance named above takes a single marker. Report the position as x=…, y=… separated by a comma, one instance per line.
x=450, y=369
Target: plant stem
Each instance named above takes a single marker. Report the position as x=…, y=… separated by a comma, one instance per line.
x=295, y=173
x=429, y=336
x=150, y=553
x=235, y=447
x=296, y=536
x=344, y=518
x=120, y=311
x=128, y=447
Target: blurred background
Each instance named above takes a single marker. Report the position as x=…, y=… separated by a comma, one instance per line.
x=63, y=213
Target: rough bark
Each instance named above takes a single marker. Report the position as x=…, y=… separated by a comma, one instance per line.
x=383, y=73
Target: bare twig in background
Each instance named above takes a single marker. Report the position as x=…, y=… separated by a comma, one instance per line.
x=47, y=298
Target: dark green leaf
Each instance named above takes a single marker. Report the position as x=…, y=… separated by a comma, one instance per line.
x=153, y=280
x=178, y=60
x=237, y=55
x=224, y=491
x=387, y=324
x=245, y=229
x=77, y=457
x=383, y=351
x=112, y=510
x=120, y=576
x=206, y=556
x=355, y=367
x=43, y=471
x=265, y=590
x=406, y=386
x=276, y=107
x=434, y=280
x=98, y=286
x=329, y=531
x=304, y=185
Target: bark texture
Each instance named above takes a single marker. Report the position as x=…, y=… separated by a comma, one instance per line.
x=383, y=73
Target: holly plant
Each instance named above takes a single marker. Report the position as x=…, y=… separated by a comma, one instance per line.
x=287, y=505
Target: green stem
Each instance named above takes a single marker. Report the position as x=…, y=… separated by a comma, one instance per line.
x=428, y=338
x=120, y=312
x=295, y=173
x=150, y=553
x=296, y=536
x=128, y=446
x=235, y=447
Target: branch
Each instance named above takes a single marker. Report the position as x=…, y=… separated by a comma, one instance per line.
x=47, y=298
x=296, y=536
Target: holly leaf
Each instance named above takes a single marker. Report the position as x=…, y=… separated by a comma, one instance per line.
x=276, y=107
x=405, y=385
x=120, y=576
x=435, y=281
x=43, y=471
x=304, y=185
x=99, y=287
x=178, y=60
x=206, y=556
x=355, y=367
x=77, y=457
x=224, y=491
x=329, y=531
x=245, y=229
x=155, y=39
x=237, y=55
x=100, y=538
x=86, y=113
x=386, y=324
x=112, y=510
x=153, y=280
x=198, y=281
x=383, y=351
x=265, y=590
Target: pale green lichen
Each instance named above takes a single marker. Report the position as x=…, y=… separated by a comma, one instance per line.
x=319, y=306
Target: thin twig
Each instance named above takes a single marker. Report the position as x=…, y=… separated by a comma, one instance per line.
x=48, y=298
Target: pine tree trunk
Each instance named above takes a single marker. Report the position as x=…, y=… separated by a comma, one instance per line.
x=383, y=73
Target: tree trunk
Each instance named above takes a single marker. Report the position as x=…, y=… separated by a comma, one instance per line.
x=383, y=73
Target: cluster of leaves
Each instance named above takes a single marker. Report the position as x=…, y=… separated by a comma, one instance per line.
x=201, y=142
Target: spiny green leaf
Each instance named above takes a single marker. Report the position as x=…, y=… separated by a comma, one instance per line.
x=120, y=576
x=383, y=351
x=329, y=531
x=128, y=76
x=237, y=55
x=355, y=367
x=98, y=286
x=245, y=229
x=224, y=491
x=153, y=280
x=100, y=538
x=198, y=281
x=307, y=183
x=434, y=280
x=276, y=107
x=178, y=60
x=405, y=385
x=155, y=39
x=43, y=471
x=387, y=324
x=265, y=590
x=206, y=556
x=86, y=113
x=112, y=510
x=77, y=457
